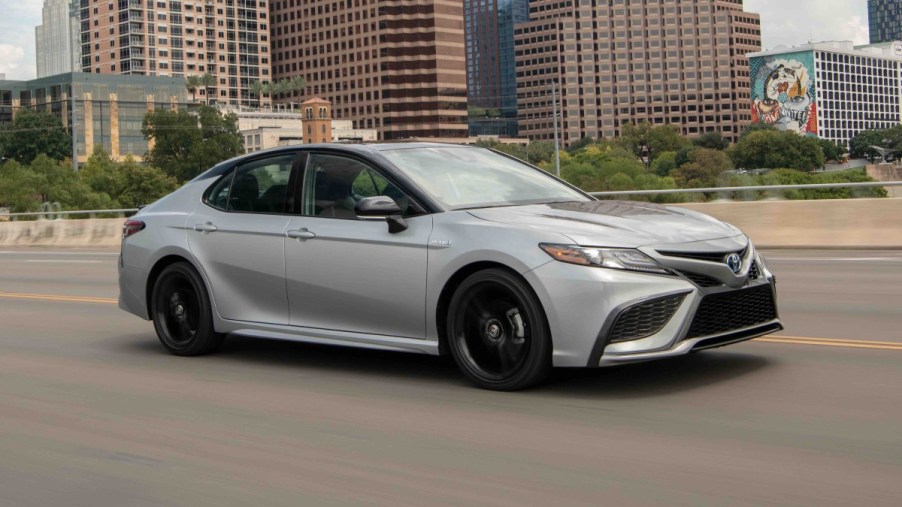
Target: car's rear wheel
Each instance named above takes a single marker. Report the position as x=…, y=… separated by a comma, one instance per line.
x=497, y=331
x=182, y=314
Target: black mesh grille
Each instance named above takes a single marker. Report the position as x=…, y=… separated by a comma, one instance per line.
x=645, y=319
x=702, y=280
x=725, y=311
x=754, y=273
x=704, y=256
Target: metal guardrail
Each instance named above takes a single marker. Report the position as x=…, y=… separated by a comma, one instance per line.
x=812, y=186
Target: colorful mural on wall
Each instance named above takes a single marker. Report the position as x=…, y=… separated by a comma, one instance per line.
x=783, y=91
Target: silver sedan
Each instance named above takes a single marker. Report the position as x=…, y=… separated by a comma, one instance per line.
x=437, y=249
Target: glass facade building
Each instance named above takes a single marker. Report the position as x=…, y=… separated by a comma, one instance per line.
x=491, y=65
x=885, y=20
x=109, y=108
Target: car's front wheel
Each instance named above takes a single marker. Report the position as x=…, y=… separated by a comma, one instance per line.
x=182, y=314
x=497, y=331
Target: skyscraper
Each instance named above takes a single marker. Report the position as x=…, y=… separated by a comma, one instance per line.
x=397, y=66
x=885, y=20
x=491, y=69
x=679, y=62
x=226, y=38
x=56, y=39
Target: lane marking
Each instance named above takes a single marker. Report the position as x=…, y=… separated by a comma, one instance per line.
x=792, y=340
x=64, y=261
x=830, y=342
x=53, y=297
x=55, y=252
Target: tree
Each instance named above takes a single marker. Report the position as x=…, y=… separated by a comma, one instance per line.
x=712, y=141
x=192, y=83
x=129, y=184
x=861, y=146
x=185, y=144
x=664, y=163
x=32, y=133
x=774, y=149
x=832, y=151
x=703, y=169
x=18, y=186
x=580, y=144
x=647, y=141
x=756, y=127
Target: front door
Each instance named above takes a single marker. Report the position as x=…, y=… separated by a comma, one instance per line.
x=353, y=275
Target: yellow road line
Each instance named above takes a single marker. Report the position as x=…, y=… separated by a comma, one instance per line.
x=52, y=297
x=822, y=342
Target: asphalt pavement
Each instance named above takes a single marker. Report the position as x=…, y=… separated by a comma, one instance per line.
x=93, y=411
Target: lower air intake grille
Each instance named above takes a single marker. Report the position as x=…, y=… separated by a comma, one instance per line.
x=726, y=311
x=645, y=319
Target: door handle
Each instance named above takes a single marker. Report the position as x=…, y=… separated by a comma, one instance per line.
x=301, y=234
x=207, y=227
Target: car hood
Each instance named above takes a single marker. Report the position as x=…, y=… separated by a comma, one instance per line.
x=613, y=223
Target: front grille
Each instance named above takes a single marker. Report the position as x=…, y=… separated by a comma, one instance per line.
x=644, y=319
x=701, y=280
x=704, y=256
x=726, y=311
x=754, y=272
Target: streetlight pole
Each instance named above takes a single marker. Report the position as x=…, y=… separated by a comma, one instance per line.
x=557, y=150
x=72, y=131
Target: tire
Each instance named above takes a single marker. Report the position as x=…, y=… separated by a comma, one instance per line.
x=181, y=311
x=497, y=331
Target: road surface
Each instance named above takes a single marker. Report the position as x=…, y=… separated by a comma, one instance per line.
x=93, y=412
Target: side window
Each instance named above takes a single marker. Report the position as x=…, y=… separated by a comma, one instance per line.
x=260, y=186
x=333, y=185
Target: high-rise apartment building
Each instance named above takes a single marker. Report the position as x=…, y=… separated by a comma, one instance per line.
x=679, y=62
x=491, y=68
x=397, y=66
x=885, y=20
x=56, y=39
x=226, y=38
x=831, y=90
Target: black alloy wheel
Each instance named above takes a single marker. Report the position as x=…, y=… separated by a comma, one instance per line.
x=497, y=331
x=182, y=314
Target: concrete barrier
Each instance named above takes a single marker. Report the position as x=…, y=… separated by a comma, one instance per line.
x=843, y=223
x=829, y=223
x=99, y=232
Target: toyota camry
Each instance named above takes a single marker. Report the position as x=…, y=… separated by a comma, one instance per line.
x=437, y=249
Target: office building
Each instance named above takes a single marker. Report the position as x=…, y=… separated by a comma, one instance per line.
x=679, y=62
x=831, y=90
x=397, y=66
x=491, y=72
x=885, y=20
x=57, y=50
x=109, y=109
x=226, y=38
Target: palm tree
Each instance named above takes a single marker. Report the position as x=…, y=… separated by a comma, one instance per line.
x=255, y=88
x=207, y=81
x=192, y=83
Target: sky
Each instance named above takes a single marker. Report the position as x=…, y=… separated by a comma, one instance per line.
x=783, y=22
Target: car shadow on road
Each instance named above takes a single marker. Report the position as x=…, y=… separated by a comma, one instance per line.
x=656, y=378
x=661, y=377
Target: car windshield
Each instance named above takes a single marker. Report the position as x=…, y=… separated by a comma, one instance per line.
x=460, y=177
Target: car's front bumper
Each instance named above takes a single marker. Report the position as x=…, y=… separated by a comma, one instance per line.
x=583, y=305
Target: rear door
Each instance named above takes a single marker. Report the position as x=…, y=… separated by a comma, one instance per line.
x=238, y=237
x=353, y=275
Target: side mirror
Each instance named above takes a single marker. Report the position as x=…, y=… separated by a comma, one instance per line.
x=380, y=207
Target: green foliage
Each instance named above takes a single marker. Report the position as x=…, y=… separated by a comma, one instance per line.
x=536, y=152
x=791, y=177
x=703, y=169
x=756, y=127
x=645, y=140
x=575, y=146
x=712, y=141
x=186, y=144
x=860, y=146
x=772, y=149
x=277, y=88
x=32, y=133
x=100, y=184
x=664, y=163
x=832, y=151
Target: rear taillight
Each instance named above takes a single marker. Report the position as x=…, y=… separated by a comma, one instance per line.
x=131, y=227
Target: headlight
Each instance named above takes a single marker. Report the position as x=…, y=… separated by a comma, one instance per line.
x=615, y=258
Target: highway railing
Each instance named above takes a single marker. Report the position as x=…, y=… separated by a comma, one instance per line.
x=50, y=214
